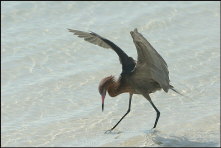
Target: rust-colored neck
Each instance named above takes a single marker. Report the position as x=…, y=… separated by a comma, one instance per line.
x=116, y=87
x=113, y=88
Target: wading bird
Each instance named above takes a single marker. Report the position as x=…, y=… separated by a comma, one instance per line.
x=144, y=76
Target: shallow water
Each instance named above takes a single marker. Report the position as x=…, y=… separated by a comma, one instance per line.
x=50, y=77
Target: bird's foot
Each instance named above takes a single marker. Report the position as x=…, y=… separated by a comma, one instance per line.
x=108, y=131
x=154, y=130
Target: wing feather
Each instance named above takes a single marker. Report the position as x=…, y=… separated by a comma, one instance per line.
x=127, y=62
x=91, y=37
x=150, y=61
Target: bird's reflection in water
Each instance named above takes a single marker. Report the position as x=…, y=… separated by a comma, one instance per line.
x=157, y=138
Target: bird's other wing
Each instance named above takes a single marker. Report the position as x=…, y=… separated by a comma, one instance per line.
x=127, y=62
x=150, y=61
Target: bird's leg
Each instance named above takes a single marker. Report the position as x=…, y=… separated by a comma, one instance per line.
x=123, y=116
x=158, y=112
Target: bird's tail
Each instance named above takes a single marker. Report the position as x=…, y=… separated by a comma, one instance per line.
x=171, y=87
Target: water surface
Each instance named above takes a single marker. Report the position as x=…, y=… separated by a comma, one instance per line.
x=49, y=77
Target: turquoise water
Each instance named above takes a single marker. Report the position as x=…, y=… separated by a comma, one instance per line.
x=49, y=77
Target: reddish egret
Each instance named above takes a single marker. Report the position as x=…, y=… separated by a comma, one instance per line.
x=144, y=76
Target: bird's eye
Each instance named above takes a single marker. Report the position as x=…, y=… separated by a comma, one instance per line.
x=100, y=90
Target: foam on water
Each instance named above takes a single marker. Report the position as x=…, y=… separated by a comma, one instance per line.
x=49, y=77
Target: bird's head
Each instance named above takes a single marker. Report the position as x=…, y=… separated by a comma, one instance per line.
x=103, y=87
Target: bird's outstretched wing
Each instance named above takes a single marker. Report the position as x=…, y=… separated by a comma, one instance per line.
x=127, y=62
x=150, y=61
